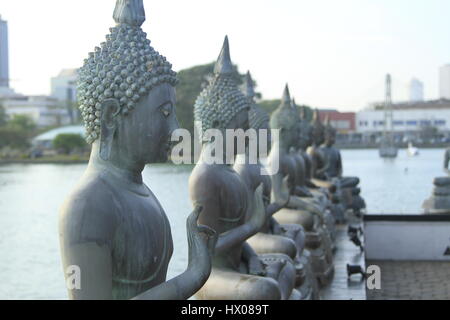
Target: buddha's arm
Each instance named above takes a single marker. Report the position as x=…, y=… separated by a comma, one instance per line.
x=340, y=168
x=326, y=163
x=294, y=201
x=87, y=269
x=250, y=257
x=213, y=207
x=273, y=208
x=95, y=267
x=202, y=241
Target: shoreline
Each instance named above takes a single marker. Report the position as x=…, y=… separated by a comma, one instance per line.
x=43, y=161
x=85, y=160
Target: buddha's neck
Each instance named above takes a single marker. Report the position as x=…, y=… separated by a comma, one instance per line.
x=121, y=168
x=210, y=155
x=281, y=147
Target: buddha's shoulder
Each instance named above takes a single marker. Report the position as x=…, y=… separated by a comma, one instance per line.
x=90, y=208
x=212, y=175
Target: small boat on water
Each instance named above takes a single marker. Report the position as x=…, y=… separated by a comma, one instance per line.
x=412, y=151
x=387, y=151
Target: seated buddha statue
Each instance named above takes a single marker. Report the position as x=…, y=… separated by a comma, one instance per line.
x=334, y=170
x=327, y=219
x=325, y=195
x=299, y=211
x=319, y=164
x=229, y=206
x=273, y=237
x=112, y=227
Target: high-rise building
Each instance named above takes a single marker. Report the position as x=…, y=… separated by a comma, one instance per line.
x=64, y=85
x=416, y=90
x=444, y=82
x=4, y=58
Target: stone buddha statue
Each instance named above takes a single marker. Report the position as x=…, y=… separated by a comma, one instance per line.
x=229, y=206
x=301, y=211
x=439, y=202
x=318, y=198
x=112, y=228
x=334, y=170
x=318, y=158
x=273, y=237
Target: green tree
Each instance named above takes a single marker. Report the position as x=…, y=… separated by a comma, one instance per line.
x=22, y=122
x=14, y=138
x=68, y=143
x=3, y=116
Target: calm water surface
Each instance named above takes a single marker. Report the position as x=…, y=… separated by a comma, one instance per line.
x=30, y=196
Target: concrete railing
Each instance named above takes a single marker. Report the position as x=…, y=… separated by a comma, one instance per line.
x=407, y=237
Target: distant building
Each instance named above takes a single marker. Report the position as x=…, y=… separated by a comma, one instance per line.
x=444, y=82
x=416, y=91
x=46, y=139
x=63, y=86
x=4, y=55
x=343, y=122
x=44, y=111
x=408, y=117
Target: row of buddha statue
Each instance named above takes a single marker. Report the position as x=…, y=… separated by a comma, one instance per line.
x=253, y=234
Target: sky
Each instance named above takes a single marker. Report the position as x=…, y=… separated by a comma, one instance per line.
x=333, y=53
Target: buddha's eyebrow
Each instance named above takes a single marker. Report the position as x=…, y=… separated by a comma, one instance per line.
x=165, y=103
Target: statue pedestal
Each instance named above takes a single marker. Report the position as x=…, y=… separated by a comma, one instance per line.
x=439, y=202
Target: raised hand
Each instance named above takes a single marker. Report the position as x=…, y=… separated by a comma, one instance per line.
x=259, y=216
x=284, y=191
x=202, y=242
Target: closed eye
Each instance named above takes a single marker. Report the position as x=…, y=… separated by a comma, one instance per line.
x=166, y=109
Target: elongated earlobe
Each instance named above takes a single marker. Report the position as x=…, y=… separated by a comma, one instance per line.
x=110, y=111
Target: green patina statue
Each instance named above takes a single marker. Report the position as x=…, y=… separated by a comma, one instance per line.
x=273, y=237
x=236, y=211
x=112, y=228
x=303, y=211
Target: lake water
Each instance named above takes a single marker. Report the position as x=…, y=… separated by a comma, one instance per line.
x=30, y=196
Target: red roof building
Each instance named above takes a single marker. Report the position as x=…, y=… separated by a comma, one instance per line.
x=343, y=122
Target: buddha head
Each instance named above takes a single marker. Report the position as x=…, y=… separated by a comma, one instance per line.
x=126, y=92
x=306, y=136
x=258, y=118
x=300, y=139
x=318, y=131
x=221, y=105
x=330, y=133
x=285, y=120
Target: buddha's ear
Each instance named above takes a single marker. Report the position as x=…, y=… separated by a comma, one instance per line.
x=109, y=111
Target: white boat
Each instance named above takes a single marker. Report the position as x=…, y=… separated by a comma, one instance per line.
x=412, y=151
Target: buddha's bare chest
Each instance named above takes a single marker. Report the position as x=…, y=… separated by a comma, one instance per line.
x=234, y=200
x=142, y=245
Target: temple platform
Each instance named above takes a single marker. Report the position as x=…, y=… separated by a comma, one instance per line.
x=412, y=280
x=342, y=287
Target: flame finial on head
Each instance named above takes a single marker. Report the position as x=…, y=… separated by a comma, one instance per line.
x=283, y=117
x=130, y=12
x=223, y=64
x=124, y=67
x=221, y=100
x=286, y=100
